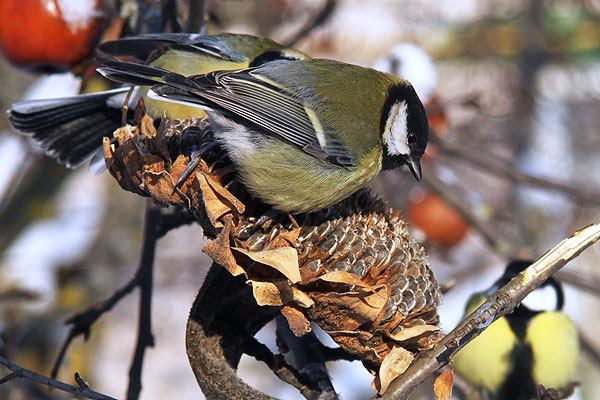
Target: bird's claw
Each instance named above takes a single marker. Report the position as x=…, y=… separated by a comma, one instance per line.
x=195, y=158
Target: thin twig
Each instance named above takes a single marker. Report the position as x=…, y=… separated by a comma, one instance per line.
x=169, y=16
x=489, y=234
x=463, y=389
x=15, y=180
x=282, y=369
x=144, y=276
x=82, y=322
x=582, y=280
x=308, y=358
x=80, y=382
x=16, y=294
x=174, y=218
x=20, y=372
x=504, y=169
x=590, y=349
x=314, y=22
x=196, y=16
x=9, y=377
x=500, y=304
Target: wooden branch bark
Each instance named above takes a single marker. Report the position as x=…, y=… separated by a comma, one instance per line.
x=223, y=313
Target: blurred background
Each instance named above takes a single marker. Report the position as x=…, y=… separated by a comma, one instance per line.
x=513, y=93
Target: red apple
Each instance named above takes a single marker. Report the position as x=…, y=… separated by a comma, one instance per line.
x=440, y=223
x=50, y=35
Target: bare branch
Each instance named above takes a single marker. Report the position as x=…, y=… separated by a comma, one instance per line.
x=223, y=316
x=314, y=22
x=504, y=169
x=336, y=354
x=582, y=280
x=145, y=277
x=500, y=304
x=80, y=382
x=82, y=322
x=589, y=349
x=196, y=16
x=9, y=377
x=457, y=202
x=288, y=374
x=20, y=372
x=309, y=360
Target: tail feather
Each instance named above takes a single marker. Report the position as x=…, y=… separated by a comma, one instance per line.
x=70, y=129
x=82, y=147
x=43, y=119
x=140, y=47
x=166, y=85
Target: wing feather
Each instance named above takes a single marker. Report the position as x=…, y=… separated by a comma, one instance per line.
x=274, y=109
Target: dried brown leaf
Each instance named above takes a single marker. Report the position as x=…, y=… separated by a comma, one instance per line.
x=220, y=250
x=271, y=293
x=161, y=186
x=179, y=165
x=412, y=332
x=296, y=320
x=126, y=133
x=114, y=163
x=283, y=259
x=301, y=298
x=215, y=207
x=349, y=310
x=147, y=126
x=442, y=387
x=356, y=342
x=394, y=364
x=279, y=293
x=225, y=195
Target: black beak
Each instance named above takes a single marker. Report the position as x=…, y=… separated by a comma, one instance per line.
x=415, y=167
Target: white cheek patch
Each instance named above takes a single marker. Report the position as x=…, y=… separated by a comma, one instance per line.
x=541, y=299
x=395, y=135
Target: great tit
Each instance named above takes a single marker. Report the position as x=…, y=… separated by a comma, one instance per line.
x=536, y=344
x=304, y=134
x=71, y=129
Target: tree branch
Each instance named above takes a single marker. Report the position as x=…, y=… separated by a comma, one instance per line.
x=223, y=316
x=288, y=374
x=457, y=202
x=196, y=16
x=504, y=169
x=309, y=360
x=500, y=304
x=590, y=349
x=145, y=277
x=582, y=280
x=317, y=20
x=20, y=372
x=82, y=322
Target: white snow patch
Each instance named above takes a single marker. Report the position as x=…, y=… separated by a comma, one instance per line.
x=78, y=14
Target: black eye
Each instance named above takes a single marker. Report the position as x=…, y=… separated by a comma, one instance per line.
x=412, y=138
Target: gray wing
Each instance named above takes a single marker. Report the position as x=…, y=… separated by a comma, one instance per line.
x=140, y=47
x=262, y=102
